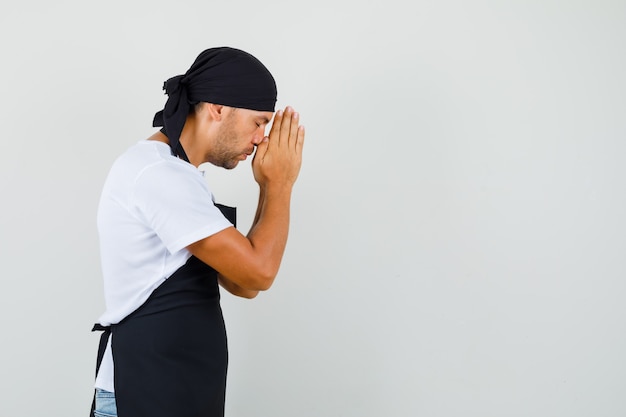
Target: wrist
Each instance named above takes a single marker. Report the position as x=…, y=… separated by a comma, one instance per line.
x=276, y=189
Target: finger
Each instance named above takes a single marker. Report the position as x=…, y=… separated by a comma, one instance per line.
x=285, y=126
x=293, y=130
x=300, y=140
x=261, y=149
x=275, y=131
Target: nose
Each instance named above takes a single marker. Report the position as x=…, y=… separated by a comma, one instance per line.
x=257, y=139
x=259, y=135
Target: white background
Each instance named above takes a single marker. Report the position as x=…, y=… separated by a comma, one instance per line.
x=458, y=236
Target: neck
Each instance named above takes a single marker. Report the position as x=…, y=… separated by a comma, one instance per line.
x=189, y=143
x=186, y=141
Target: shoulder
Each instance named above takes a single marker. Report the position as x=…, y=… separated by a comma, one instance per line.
x=154, y=173
x=152, y=158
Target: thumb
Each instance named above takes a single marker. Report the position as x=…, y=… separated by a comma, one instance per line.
x=261, y=148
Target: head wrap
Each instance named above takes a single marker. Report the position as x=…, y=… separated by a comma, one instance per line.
x=225, y=76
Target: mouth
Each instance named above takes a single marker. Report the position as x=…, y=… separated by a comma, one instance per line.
x=247, y=153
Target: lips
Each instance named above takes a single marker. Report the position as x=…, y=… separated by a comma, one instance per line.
x=246, y=154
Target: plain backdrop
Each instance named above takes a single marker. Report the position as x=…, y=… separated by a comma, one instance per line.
x=458, y=234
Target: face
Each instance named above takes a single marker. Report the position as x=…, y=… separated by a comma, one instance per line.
x=240, y=131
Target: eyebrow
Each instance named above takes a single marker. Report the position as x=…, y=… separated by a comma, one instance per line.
x=264, y=119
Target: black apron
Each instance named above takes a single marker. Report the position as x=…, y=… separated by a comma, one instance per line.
x=170, y=355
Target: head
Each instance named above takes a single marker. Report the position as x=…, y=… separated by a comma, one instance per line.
x=225, y=77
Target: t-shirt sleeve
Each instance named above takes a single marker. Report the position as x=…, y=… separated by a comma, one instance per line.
x=175, y=201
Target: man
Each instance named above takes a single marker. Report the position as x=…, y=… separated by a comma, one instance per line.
x=165, y=244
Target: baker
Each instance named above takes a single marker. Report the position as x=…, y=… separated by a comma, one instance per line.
x=166, y=245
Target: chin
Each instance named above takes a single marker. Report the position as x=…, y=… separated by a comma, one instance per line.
x=230, y=164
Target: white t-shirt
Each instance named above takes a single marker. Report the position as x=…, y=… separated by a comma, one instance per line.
x=153, y=206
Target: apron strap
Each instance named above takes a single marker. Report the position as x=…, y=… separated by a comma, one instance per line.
x=229, y=212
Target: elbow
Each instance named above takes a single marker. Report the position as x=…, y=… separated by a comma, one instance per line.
x=263, y=279
x=248, y=294
x=264, y=283
x=254, y=276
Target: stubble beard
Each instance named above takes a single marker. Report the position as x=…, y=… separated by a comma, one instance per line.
x=223, y=154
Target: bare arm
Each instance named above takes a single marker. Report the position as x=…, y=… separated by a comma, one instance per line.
x=248, y=264
x=229, y=285
x=235, y=289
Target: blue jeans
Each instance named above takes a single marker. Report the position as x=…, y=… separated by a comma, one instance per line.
x=105, y=404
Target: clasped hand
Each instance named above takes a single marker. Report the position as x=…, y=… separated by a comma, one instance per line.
x=278, y=157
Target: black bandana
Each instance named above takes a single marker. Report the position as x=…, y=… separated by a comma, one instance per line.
x=225, y=76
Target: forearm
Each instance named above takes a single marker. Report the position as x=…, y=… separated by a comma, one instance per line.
x=259, y=207
x=269, y=232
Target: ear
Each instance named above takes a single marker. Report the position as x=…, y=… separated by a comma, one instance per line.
x=215, y=111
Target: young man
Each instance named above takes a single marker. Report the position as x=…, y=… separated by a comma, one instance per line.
x=165, y=244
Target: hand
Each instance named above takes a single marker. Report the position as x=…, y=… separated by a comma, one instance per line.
x=278, y=158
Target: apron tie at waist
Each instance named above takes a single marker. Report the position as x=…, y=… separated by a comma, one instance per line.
x=104, y=339
x=100, y=328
